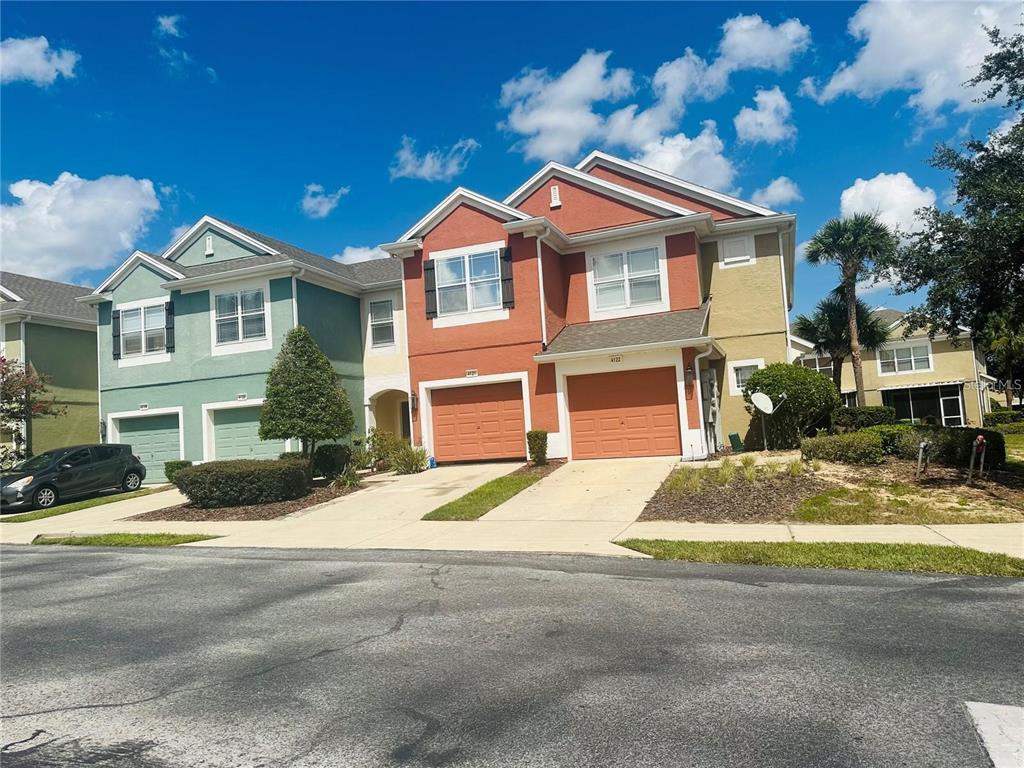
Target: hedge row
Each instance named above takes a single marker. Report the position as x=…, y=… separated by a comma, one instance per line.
x=242, y=482
x=863, y=416
x=1017, y=428
x=1003, y=417
x=950, y=446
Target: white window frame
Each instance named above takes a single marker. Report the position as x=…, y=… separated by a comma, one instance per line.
x=470, y=316
x=734, y=261
x=734, y=389
x=143, y=358
x=826, y=370
x=623, y=248
x=376, y=323
x=242, y=345
x=909, y=344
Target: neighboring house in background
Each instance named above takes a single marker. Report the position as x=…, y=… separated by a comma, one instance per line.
x=918, y=376
x=616, y=307
x=45, y=327
x=187, y=337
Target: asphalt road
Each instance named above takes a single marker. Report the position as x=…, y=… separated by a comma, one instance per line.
x=193, y=657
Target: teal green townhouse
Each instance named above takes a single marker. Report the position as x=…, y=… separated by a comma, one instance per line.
x=185, y=340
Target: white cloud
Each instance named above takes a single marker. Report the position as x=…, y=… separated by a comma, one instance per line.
x=892, y=196
x=927, y=49
x=73, y=225
x=317, y=203
x=555, y=115
x=780, y=191
x=1006, y=124
x=168, y=26
x=769, y=122
x=435, y=165
x=356, y=253
x=178, y=231
x=699, y=159
x=33, y=60
x=801, y=250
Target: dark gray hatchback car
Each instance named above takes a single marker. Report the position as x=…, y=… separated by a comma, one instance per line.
x=48, y=478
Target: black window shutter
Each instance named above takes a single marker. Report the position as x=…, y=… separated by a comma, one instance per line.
x=169, y=326
x=115, y=327
x=508, y=294
x=430, y=289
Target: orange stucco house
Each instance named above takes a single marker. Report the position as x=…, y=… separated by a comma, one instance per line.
x=616, y=307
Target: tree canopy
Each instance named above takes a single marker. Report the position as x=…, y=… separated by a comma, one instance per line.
x=303, y=398
x=829, y=331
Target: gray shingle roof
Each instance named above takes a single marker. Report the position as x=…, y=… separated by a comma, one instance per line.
x=889, y=316
x=46, y=297
x=661, y=328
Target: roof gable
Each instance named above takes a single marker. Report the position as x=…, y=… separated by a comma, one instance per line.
x=681, y=186
x=157, y=263
x=238, y=235
x=461, y=196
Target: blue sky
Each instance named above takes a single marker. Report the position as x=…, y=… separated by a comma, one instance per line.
x=234, y=110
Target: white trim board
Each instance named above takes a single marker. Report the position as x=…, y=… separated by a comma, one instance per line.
x=185, y=240
x=731, y=367
x=457, y=197
x=137, y=257
x=426, y=415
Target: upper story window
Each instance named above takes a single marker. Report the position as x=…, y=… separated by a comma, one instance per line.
x=382, y=323
x=905, y=358
x=143, y=330
x=627, y=279
x=241, y=316
x=468, y=283
x=736, y=251
x=819, y=364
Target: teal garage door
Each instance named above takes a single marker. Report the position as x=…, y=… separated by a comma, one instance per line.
x=154, y=439
x=236, y=435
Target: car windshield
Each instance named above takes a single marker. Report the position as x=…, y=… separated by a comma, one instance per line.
x=42, y=461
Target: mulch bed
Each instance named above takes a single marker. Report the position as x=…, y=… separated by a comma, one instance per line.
x=540, y=471
x=190, y=514
x=763, y=501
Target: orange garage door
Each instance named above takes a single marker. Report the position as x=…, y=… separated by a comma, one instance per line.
x=626, y=413
x=479, y=423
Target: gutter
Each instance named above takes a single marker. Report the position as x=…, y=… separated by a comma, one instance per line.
x=288, y=267
x=547, y=357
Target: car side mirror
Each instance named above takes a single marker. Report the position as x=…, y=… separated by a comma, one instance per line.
x=66, y=466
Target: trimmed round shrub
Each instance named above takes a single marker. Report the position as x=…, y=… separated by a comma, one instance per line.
x=537, y=444
x=330, y=459
x=1003, y=417
x=242, y=482
x=810, y=398
x=847, y=448
x=860, y=417
x=171, y=468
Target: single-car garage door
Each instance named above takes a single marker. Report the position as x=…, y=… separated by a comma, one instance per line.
x=236, y=435
x=154, y=439
x=479, y=423
x=625, y=413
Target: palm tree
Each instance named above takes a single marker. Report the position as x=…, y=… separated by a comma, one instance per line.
x=1005, y=341
x=853, y=244
x=828, y=329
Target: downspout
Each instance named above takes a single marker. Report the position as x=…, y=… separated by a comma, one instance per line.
x=977, y=387
x=700, y=399
x=295, y=297
x=785, y=298
x=540, y=284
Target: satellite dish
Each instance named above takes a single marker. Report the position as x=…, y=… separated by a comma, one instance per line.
x=762, y=402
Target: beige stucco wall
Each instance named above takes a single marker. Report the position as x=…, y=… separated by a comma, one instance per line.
x=387, y=411
x=384, y=361
x=12, y=341
x=769, y=348
x=949, y=363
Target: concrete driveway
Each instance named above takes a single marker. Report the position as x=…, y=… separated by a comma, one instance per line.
x=598, y=491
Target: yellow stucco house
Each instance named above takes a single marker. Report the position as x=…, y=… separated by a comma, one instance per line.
x=921, y=378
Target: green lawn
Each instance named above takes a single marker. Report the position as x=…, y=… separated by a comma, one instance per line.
x=124, y=539
x=74, y=506
x=483, y=499
x=1015, y=448
x=865, y=506
x=922, y=558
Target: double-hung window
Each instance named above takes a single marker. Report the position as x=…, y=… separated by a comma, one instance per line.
x=468, y=283
x=382, y=323
x=819, y=364
x=743, y=374
x=905, y=359
x=627, y=279
x=241, y=316
x=143, y=330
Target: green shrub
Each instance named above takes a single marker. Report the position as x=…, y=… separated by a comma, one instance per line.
x=891, y=435
x=406, y=460
x=863, y=447
x=171, y=468
x=292, y=456
x=850, y=419
x=1016, y=428
x=382, y=445
x=243, y=481
x=537, y=443
x=347, y=478
x=950, y=446
x=329, y=459
x=360, y=453
x=997, y=418
x=810, y=398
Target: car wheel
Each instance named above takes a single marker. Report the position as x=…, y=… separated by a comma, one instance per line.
x=132, y=481
x=45, y=497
